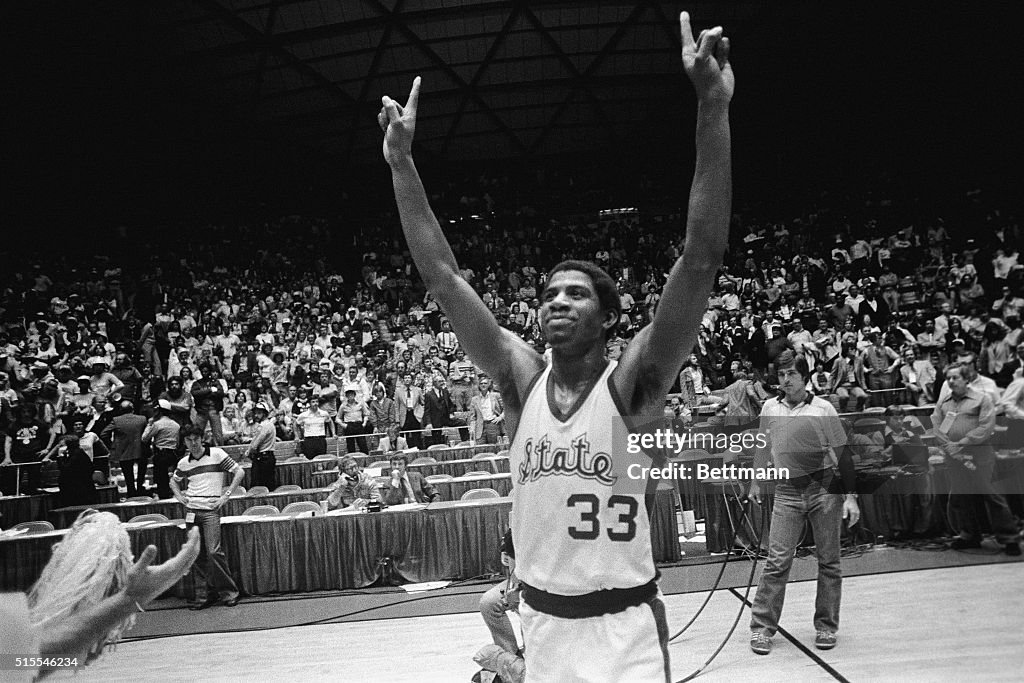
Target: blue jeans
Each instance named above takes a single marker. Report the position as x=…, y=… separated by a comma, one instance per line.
x=493, y=605
x=825, y=513
x=211, y=564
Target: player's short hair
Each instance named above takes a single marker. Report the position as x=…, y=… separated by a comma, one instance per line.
x=789, y=359
x=604, y=285
x=398, y=456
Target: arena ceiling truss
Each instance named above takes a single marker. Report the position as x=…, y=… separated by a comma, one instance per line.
x=501, y=78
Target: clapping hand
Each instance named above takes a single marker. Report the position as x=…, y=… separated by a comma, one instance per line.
x=706, y=62
x=399, y=124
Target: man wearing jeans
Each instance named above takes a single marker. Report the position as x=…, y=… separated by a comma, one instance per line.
x=203, y=469
x=804, y=433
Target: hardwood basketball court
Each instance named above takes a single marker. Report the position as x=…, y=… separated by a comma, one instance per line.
x=931, y=623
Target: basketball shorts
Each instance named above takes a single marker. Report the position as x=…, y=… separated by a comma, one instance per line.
x=630, y=646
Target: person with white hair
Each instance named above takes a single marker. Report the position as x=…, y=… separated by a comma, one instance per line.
x=88, y=594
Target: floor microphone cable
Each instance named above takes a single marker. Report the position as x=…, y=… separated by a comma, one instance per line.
x=750, y=583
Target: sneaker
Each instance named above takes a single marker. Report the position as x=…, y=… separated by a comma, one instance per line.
x=760, y=643
x=964, y=544
x=1012, y=548
x=825, y=640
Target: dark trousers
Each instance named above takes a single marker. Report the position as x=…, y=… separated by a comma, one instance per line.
x=164, y=462
x=966, y=487
x=414, y=438
x=355, y=443
x=212, y=565
x=313, y=446
x=264, y=470
x=140, y=477
x=129, y=469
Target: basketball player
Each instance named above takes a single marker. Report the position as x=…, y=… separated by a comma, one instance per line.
x=591, y=608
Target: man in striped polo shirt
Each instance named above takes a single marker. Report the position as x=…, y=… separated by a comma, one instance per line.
x=203, y=469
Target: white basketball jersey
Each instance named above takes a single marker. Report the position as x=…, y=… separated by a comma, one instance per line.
x=579, y=522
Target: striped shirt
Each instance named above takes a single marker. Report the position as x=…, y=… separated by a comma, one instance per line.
x=203, y=477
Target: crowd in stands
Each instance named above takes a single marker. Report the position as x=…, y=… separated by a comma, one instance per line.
x=307, y=317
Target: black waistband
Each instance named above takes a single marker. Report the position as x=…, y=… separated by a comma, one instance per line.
x=594, y=604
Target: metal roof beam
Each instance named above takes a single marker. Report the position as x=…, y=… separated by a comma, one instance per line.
x=488, y=58
x=608, y=48
x=452, y=74
x=251, y=33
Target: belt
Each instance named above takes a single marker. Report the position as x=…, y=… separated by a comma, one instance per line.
x=594, y=604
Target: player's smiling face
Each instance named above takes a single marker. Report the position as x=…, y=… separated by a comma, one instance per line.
x=570, y=309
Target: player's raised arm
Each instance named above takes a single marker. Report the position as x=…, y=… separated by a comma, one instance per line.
x=653, y=359
x=494, y=349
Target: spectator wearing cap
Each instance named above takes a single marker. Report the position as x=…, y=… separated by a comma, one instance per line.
x=28, y=441
x=354, y=487
x=162, y=435
x=101, y=381
x=312, y=427
x=208, y=392
x=261, y=448
x=126, y=450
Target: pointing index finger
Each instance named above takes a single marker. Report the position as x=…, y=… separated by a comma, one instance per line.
x=685, y=32
x=414, y=97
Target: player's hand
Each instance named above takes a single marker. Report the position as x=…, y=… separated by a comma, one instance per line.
x=754, y=493
x=851, y=511
x=399, y=124
x=145, y=582
x=359, y=503
x=706, y=62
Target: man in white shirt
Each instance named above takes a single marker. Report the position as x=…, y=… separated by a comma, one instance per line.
x=312, y=427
